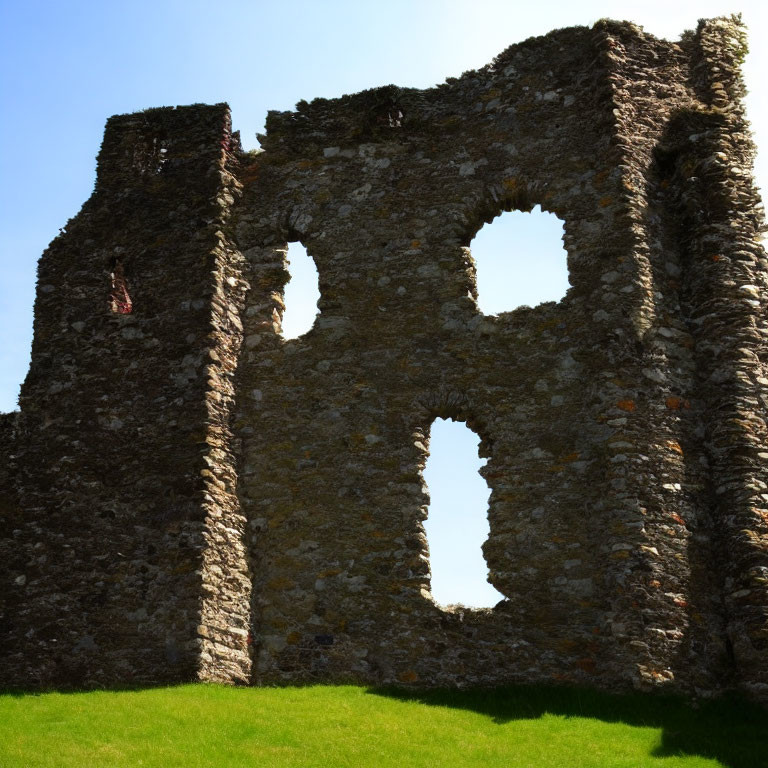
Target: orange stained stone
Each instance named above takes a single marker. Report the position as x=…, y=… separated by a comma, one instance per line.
x=626, y=405
x=409, y=676
x=249, y=174
x=675, y=403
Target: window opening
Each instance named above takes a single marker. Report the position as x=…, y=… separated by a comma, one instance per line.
x=392, y=118
x=520, y=260
x=301, y=292
x=395, y=116
x=457, y=524
x=119, y=299
x=150, y=157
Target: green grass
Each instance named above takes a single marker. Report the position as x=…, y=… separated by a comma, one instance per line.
x=340, y=726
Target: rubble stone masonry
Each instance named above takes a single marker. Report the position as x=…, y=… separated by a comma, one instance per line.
x=187, y=495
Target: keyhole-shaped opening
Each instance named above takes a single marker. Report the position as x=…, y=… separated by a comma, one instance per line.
x=457, y=524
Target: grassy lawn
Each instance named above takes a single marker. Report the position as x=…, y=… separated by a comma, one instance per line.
x=340, y=726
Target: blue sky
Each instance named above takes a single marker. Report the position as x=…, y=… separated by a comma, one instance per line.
x=65, y=67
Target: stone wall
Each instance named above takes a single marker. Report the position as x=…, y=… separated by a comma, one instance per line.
x=123, y=511
x=194, y=497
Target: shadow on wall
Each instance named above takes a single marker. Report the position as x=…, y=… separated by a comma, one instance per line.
x=731, y=729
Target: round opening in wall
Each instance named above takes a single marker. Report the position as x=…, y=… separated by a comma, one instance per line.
x=520, y=260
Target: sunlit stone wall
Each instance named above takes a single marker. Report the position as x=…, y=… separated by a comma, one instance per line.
x=195, y=496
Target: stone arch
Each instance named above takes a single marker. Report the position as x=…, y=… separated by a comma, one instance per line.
x=519, y=194
x=444, y=402
x=301, y=293
x=528, y=276
x=458, y=566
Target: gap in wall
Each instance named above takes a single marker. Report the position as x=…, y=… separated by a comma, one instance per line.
x=520, y=260
x=457, y=524
x=301, y=292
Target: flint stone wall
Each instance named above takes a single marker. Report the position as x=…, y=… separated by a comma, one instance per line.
x=191, y=496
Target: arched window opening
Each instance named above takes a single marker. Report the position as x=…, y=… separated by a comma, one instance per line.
x=119, y=299
x=301, y=292
x=457, y=524
x=520, y=260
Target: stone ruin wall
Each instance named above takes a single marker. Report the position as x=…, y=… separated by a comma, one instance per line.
x=190, y=496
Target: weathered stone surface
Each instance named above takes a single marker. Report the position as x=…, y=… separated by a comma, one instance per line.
x=191, y=496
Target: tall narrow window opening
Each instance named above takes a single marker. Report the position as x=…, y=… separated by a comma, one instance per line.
x=301, y=292
x=520, y=260
x=457, y=524
x=119, y=299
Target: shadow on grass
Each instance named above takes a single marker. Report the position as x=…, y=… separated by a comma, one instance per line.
x=731, y=729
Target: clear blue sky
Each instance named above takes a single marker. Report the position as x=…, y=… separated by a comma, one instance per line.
x=66, y=66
